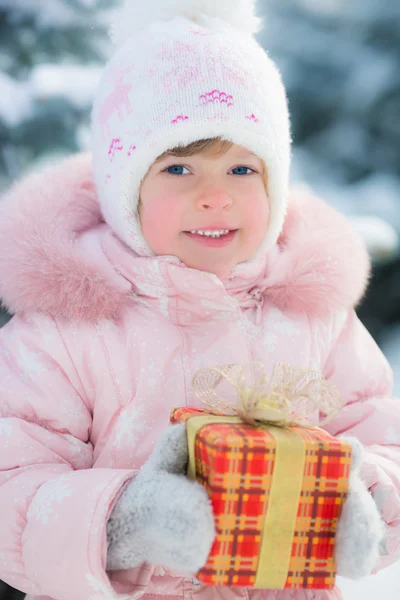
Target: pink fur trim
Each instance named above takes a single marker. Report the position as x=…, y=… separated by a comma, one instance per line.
x=41, y=265
x=319, y=265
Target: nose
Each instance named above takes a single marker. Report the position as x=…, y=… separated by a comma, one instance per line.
x=214, y=199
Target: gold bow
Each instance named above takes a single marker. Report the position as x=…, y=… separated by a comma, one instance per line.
x=282, y=400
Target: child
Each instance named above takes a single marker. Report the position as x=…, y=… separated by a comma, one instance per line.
x=181, y=251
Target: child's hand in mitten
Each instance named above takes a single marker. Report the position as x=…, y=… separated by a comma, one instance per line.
x=162, y=517
x=360, y=527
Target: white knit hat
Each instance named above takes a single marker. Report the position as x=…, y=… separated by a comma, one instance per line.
x=185, y=70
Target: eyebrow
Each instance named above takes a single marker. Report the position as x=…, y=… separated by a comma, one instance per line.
x=167, y=155
x=243, y=154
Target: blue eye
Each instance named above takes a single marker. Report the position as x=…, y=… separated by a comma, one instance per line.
x=176, y=170
x=242, y=171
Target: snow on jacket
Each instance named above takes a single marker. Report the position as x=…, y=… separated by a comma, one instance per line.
x=104, y=345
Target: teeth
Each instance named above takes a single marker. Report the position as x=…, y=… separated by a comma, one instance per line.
x=214, y=234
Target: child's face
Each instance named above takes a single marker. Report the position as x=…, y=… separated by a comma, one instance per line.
x=205, y=192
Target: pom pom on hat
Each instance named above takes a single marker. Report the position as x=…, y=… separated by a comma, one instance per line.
x=136, y=15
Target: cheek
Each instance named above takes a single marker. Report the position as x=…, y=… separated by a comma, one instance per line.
x=258, y=215
x=160, y=221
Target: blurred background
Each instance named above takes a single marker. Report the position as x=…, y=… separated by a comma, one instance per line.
x=340, y=61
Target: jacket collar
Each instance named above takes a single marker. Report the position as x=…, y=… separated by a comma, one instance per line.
x=183, y=295
x=60, y=258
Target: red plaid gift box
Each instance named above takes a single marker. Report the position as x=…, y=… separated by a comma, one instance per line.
x=277, y=494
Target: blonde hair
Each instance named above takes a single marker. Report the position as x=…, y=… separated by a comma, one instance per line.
x=211, y=146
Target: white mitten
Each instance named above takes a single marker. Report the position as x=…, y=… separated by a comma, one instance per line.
x=360, y=528
x=162, y=517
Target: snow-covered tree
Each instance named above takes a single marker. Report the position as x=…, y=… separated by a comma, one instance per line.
x=341, y=64
x=51, y=54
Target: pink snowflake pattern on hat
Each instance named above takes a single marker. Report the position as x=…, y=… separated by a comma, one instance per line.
x=115, y=146
x=117, y=101
x=179, y=66
x=216, y=96
x=131, y=150
x=253, y=118
x=180, y=119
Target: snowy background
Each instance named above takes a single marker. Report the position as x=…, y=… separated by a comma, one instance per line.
x=340, y=61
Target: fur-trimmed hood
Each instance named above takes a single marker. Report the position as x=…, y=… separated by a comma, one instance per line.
x=318, y=266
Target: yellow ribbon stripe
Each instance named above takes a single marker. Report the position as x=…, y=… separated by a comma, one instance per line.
x=283, y=503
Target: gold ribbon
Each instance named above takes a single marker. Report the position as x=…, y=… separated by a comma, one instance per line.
x=281, y=400
x=281, y=514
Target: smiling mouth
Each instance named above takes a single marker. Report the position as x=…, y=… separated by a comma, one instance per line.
x=211, y=233
x=213, y=239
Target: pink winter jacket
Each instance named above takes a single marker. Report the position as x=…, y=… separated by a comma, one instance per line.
x=105, y=343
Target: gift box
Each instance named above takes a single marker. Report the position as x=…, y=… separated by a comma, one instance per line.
x=277, y=492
